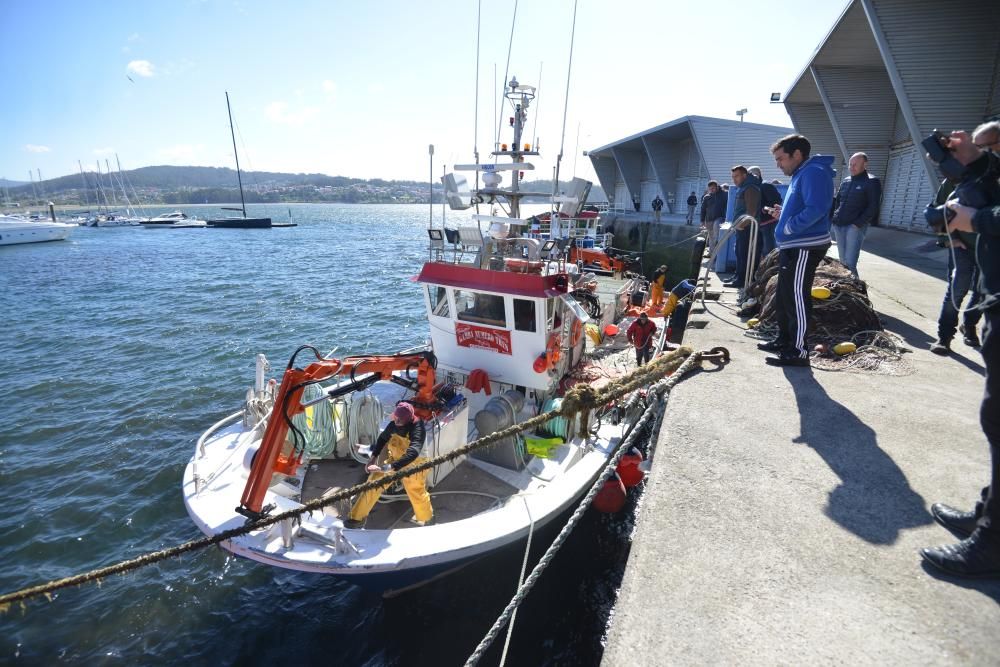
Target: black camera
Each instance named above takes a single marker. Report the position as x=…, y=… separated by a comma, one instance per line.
x=938, y=217
x=936, y=145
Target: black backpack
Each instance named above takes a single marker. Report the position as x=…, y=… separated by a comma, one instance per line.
x=769, y=195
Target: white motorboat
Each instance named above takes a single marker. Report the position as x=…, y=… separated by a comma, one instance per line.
x=507, y=338
x=175, y=220
x=14, y=230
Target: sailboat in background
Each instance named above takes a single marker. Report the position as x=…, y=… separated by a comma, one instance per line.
x=238, y=222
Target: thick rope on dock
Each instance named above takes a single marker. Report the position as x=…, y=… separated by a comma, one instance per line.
x=643, y=376
x=661, y=390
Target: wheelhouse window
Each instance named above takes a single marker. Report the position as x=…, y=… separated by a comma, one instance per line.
x=438, y=297
x=524, y=315
x=480, y=308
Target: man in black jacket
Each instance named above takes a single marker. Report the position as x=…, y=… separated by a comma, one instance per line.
x=713, y=211
x=692, y=203
x=855, y=207
x=978, y=555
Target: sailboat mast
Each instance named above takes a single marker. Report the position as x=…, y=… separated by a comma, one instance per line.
x=239, y=179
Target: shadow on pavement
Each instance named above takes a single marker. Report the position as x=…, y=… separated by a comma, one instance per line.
x=874, y=499
x=915, y=251
x=988, y=587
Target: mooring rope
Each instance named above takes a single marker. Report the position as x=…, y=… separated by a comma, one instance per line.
x=577, y=400
x=662, y=391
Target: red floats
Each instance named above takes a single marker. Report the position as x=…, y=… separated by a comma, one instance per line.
x=611, y=497
x=628, y=469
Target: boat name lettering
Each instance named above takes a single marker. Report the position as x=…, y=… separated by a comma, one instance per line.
x=482, y=338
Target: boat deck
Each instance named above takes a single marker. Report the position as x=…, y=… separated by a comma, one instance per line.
x=465, y=492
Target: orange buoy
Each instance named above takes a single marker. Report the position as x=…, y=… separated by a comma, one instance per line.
x=611, y=330
x=628, y=469
x=611, y=497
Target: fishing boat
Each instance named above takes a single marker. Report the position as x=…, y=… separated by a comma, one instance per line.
x=15, y=230
x=238, y=222
x=513, y=325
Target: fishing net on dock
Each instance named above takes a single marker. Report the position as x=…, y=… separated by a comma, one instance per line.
x=847, y=315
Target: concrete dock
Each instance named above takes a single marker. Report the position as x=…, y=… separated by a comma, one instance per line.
x=785, y=508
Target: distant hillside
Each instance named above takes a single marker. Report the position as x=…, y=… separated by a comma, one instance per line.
x=197, y=185
x=5, y=183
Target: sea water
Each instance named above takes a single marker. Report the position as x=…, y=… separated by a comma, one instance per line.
x=121, y=346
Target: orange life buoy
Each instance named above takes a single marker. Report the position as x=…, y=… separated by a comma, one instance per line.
x=575, y=332
x=552, y=350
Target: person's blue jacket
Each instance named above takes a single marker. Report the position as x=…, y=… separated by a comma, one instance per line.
x=805, y=215
x=857, y=201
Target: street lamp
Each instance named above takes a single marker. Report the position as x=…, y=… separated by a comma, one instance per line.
x=740, y=113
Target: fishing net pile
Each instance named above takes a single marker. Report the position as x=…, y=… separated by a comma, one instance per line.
x=847, y=315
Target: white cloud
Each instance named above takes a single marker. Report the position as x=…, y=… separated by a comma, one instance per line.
x=107, y=150
x=140, y=67
x=133, y=37
x=35, y=148
x=280, y=112
x=329, y=87
x=125, y=49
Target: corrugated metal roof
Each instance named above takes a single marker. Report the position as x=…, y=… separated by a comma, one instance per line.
x=945, y=54
x=812, y=121
x=675, y=130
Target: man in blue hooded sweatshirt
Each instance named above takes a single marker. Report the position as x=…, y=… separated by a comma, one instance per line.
x=802, y=234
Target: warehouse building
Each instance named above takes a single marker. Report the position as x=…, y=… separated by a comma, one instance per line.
x=890, y=72
x=682, y=156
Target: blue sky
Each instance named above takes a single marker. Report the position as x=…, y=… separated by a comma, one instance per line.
x=361, y=88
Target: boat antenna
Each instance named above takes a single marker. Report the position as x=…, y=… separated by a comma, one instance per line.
x=239, y=179
x=506, y=71
x=475, y=120
x=430, y=199
x=569, y=70
x=538, y=106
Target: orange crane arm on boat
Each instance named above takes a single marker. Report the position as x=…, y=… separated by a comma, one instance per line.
x=274, y=456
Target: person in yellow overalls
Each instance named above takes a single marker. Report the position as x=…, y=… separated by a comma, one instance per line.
x=405, y=438
x=656, y=287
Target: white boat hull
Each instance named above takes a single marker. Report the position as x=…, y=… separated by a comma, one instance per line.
x=388, y=559
x=14, y=231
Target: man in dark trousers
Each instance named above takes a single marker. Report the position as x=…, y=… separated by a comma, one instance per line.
x=748, y=202
x=657, y=205
x=692, y=205
x=640, y=334
x=803, y=236
x=855, y=209
x=978, y=555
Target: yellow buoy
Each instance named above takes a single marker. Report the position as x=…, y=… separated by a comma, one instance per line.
x=752, y=323
x=821, y=292
x=845, y=348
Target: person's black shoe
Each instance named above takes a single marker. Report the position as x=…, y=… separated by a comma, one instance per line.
x=353, y=523
x=771, y=346
x=976, y=556
x=787, y=360
x=733, y=283
x=969, y=336
x=941, y=347
x=959, y=522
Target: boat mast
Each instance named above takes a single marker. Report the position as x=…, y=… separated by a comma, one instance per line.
x=86, y=196
x=239, y=179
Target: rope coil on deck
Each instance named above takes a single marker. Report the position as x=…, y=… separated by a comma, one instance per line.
x=581, y=400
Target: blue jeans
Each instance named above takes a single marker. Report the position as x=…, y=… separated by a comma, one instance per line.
x=963, y=274
x=849, y=239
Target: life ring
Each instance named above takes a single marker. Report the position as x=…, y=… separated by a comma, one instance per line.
x=576, y=331
x=552, y=351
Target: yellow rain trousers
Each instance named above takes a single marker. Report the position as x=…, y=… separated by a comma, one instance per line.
x=671, y=304
x=416, y=489
x=656, y=294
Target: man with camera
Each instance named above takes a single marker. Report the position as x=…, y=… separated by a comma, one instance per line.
x=976, y=209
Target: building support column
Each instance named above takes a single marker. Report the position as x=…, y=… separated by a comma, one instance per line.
x=897, y=85
x=829, y=112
